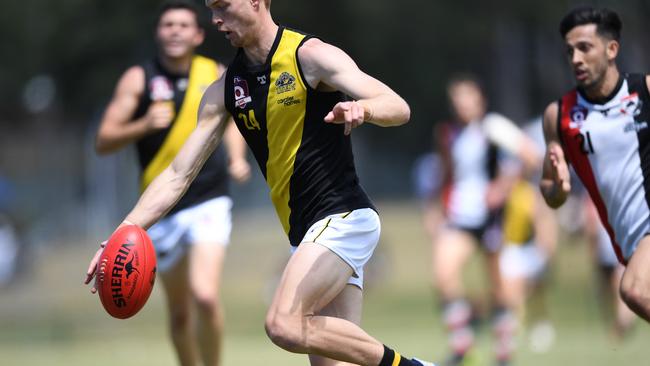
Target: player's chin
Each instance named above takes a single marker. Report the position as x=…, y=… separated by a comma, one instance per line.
x=176, y=51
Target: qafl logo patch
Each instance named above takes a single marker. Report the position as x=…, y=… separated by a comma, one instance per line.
x=285, y=83
x=160, y=88
x=242, y=97
x=578, y=116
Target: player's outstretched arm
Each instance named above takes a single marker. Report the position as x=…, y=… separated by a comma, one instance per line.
x=164, y=191
x=329, y=68
x=555, y=183
x=117, y=129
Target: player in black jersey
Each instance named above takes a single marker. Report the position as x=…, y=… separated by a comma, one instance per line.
x=155, y=106
x=287, y=93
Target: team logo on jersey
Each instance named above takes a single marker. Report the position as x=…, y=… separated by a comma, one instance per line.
x=160, y=88
x=578, y=116
x=242, y=98
x=286, y=82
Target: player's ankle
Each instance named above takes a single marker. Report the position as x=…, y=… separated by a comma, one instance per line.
x=392, y=358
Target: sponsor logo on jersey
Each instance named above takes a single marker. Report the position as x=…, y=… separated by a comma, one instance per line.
x=578, y=116
x=286, y=82
x=160, y=88
x=242, y=98
x=288, y=101
x=261, y=79
x=635, y=126
x=631, y=105
x=182, y=83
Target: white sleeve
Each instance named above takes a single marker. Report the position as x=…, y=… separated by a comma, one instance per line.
x=503, y=132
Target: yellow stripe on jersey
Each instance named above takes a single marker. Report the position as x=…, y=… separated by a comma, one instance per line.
x=285, y=116
x=519, y=214
x=202, y=73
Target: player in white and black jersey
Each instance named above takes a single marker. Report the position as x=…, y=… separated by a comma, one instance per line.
x=601, y=129
x=473, y=190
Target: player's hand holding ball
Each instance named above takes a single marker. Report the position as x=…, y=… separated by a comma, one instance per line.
x=125, y=270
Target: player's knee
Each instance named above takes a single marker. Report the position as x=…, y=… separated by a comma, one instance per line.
x=282, y=332
x=207, y=303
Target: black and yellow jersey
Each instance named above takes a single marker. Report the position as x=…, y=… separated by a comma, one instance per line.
x=157, y=150
x=307, y=163
x=519, y=214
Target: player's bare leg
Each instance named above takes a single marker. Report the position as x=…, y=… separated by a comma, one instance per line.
x=515, y=292
x=496, y=280
x=635, y=285
x=179, y=303
x=623, y=317
x=504, y=322
x=312, y=279
x=451, y=251
x=347, y=305
x=206, y=262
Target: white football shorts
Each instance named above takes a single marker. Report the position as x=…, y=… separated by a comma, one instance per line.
x=209, y=222
x=353, y=236
x=527, y=261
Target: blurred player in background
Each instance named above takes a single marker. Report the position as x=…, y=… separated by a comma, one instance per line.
x=154, y=107
x=288, y=95
x=601, y=129
x=530, y=239
x=609, y=273
x=474, y=191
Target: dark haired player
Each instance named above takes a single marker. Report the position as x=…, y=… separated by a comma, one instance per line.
x=601, y=128
x=155, y=106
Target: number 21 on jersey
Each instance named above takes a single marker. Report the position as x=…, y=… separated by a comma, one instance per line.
x=584, y=141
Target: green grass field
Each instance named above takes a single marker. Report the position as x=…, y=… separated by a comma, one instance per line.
x=50, y=318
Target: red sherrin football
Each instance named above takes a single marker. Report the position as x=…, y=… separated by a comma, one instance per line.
x=127, y=271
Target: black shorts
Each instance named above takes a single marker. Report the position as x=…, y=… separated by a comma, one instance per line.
x=489, y=236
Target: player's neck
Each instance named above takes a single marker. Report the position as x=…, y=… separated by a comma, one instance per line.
x=180, y=65
x=258, y=51
x=606, y=87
